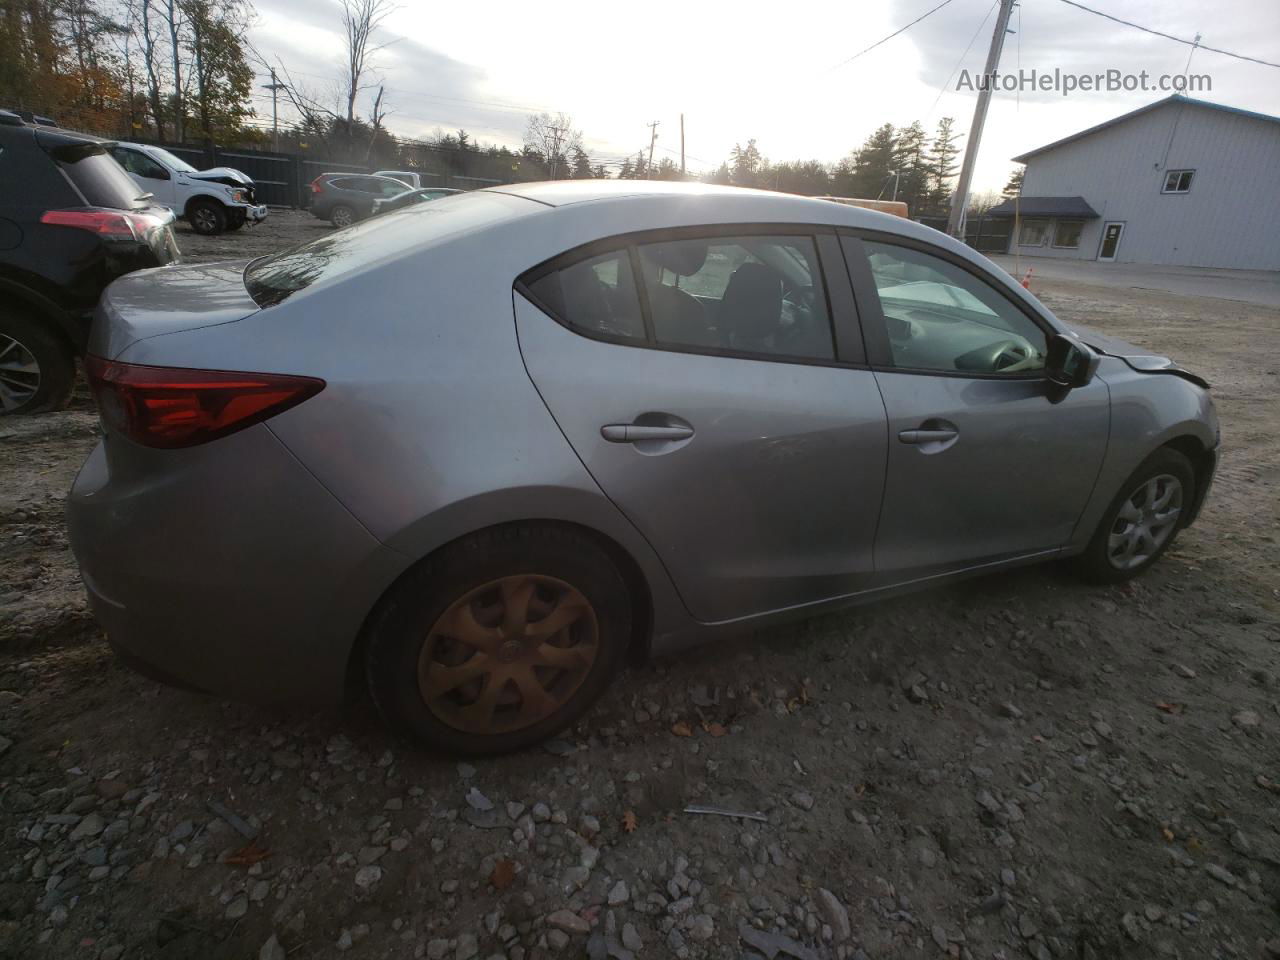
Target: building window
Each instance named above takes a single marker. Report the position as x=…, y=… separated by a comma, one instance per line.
x=1178, y=181
x=1066, y=233
x=1033, y=233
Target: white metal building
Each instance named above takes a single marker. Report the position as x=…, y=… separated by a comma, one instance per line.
x=1180, y=181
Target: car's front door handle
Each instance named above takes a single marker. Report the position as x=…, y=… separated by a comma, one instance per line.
x=634, y=432
x=927, y=436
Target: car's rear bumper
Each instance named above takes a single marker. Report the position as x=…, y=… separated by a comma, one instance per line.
x=231, y=571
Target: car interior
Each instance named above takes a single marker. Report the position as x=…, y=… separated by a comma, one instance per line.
x=751, y=295
x=941, y=318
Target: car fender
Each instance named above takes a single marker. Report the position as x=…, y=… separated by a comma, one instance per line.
x=1148, y=411
x=62, y=322
x=588, y=509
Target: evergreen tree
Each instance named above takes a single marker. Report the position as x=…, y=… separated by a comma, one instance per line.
x=942, y=166
x=873, y=163
x=911, y=162
x=1014, y=187
x=581, y=168
x=627, y=171
x=745, y=164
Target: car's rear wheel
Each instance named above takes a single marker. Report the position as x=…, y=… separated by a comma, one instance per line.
x=342, y=215
x=207, y=217
x=499, y=640
x=1143, y=519
x=37, y=371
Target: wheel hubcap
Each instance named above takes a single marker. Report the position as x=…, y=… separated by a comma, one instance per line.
x=204, y=219
x=342, y=218
x=19, y=374
x=1146, y=520
x=508, y=654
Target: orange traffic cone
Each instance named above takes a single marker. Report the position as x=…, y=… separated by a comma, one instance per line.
x=1026, y=281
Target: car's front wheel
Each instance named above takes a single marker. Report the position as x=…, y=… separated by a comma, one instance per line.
x=1143, y=519
x=37, y=372
x=207, y=217
x=499, y=640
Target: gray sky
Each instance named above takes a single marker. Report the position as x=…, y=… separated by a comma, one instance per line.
x=769, y=71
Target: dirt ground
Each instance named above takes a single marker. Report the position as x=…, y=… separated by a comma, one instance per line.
x=1023, y=766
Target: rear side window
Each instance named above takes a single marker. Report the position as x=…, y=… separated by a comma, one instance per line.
x=758, y=296
x=598, y=296
x=97, y=176
x=372, y=243
x=761, y=295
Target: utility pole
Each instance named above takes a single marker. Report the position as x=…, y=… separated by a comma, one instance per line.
x=653, y=138
x=682, y=146
x=955, y=223
x=273, y=86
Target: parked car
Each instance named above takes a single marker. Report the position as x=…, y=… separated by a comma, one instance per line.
x=494, y=445
x=413, y=179
x=344, y=198
x=71, y=221
x=410, y=197
x=212, y=200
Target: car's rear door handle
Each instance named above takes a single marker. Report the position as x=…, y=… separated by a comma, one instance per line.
x=927, y=436
x=634, y=432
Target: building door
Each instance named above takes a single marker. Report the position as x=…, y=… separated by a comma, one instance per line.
x=1110, y=240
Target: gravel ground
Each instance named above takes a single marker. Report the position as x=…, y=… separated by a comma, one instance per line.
x=1023, y=766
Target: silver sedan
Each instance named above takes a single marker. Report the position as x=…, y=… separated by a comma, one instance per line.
x=478, y=453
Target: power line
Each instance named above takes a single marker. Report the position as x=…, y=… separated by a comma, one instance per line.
x=956, y=68
x=894, y=34
x=1169, y=36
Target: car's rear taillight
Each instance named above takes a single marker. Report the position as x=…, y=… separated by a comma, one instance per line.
x=317, y=186
x=172, y=407
x=108, y=224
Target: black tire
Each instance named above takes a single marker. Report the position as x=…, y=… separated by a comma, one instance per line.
x=207, y=217
x=1095, y=564
x=25, y=339
x=236, y=222
x=342, y=215
x=397, y=632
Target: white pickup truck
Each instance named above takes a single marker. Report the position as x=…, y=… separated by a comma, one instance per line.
x=211, y=200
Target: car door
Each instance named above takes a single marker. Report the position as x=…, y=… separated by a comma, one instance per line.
x=147, y=173
x=696, y=376
x=987, y=460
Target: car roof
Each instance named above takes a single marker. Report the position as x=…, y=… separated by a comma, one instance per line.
x=722, y=203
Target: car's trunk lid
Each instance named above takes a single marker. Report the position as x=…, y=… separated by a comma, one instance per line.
x=151, y=303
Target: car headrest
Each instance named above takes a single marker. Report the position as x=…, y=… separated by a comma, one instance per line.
x=684, y=258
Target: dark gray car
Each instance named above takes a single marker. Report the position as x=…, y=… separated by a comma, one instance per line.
x=489, y=447
x=344, y=198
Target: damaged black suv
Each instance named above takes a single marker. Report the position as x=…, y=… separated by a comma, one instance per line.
x=71, y=221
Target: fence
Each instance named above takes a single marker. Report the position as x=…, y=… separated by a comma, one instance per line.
x=985, y=234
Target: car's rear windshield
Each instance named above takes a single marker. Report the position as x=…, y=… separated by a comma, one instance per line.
x=367, y=244
x=97, y=176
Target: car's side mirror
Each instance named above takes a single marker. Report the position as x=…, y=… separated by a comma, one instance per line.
x=1069, y=363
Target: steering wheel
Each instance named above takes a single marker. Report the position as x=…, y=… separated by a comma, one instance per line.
x=1010, y=356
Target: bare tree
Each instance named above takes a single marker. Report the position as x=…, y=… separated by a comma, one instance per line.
x=553, y=138
x=375, y=122
x=360, y=18
x=172, y=12
x=151, y=60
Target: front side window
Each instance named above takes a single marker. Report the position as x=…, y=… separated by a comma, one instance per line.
x=1066, y=233
x=1178, y=181
x=1033, y=233
x=753, y=294
x=139, y=164
x=941, y=317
